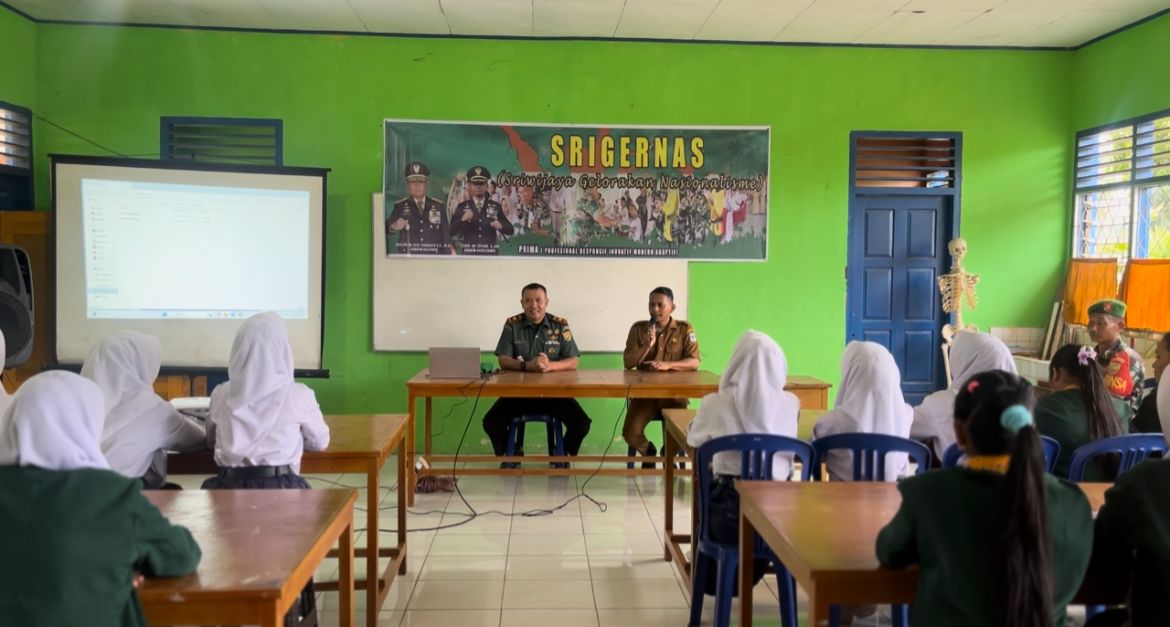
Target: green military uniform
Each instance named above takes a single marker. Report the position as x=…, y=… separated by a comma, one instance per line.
x=524, y=340
x=1063, y=417
x=1133, y=540
x=71, y=541
x=1124, y=370
x=950, y=524
x=674, y=343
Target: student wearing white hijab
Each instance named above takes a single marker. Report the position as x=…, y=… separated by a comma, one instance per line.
x=869, y=401
x=4, y=398
x=971, y=353
x=140, y=427
x=56, y=491
x=751, y=399
x=263, y=419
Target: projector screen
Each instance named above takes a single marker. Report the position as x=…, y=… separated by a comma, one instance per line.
x=186, y=253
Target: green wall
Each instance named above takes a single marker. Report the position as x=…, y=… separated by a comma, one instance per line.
x=1123, y=76
x=18, y=43
x=111, y=84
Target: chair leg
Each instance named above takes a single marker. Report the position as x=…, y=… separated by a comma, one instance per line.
x=834, y=616
x=630, y=452
x=786, y=586
x=900, y=615
x=698, y=585
x=514, y=431
x=727, y=571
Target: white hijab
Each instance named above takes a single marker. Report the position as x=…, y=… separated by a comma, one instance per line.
x=971, y=354
x=260, y=382
x=1163, y=403
x=751, y=399
x=4, y=399
x=125, y=365
x=869, y=401
x=54, y=422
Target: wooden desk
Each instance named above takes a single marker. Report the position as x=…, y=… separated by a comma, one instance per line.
x=260, y=547
x=357, y=444
x=674, y=427
x=570, y=384
x=825, y=534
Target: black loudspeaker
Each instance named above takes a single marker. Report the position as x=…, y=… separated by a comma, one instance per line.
x=16, y=305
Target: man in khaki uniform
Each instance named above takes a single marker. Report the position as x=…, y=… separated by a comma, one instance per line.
x=660, y=343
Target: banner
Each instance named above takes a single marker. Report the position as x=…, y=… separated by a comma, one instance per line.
x=519, y=190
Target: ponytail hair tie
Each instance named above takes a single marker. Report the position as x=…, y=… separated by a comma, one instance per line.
x=1086, y=355
x=1015, y=418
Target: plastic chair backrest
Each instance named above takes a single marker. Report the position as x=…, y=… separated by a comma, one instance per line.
x=757, y=450
x=869, y=453
x=953, y=454
x=1132, y=448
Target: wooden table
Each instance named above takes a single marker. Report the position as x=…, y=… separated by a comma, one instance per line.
x=260, y=548
x=675, y=425
x=357, y=444
x=570, y=384
x=825, y=534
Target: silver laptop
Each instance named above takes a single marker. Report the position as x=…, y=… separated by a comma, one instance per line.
x=453, y=363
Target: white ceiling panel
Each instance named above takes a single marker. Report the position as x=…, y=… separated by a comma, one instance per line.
x=733, y=21
x=576, y=18
x=908, y=27
x=401, y=16
x=1023, y=23
x=489, y=17
x=313, y=15
x=816, y=25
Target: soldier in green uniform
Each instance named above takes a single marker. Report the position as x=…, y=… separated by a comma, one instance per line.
x=478, y=220
x=660, y=343
x=1123, y=366
x=419, y=221
x=535, y=341
x=977, y=532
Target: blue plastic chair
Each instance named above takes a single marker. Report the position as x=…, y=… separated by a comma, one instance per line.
x=556, y=435
x=869, y=453
x=1132, y=448
x=953, y=454
x=756, y=451
x=869, y=464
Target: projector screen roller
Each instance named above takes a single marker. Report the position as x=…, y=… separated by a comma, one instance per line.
x=186, y=254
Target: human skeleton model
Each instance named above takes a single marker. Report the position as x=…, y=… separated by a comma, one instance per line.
x=955, y=286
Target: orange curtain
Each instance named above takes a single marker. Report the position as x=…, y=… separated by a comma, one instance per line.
x=1088, y=281
x=1146, y=292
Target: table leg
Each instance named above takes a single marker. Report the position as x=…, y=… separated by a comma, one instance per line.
x=373, y=576
x=427, y=444
x=818, y=608
x=668, y=487
x=345, y=591
x=272, y=616
x=402, y=464
x=747, y=535
x=410, y=449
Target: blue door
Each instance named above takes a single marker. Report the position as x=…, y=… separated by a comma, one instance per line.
x=897, y=248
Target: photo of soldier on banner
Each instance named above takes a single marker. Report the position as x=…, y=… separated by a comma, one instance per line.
x=512, y=190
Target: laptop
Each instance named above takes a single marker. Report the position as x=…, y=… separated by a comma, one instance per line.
x=453, y=363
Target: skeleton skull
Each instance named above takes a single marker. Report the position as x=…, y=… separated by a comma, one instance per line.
x=958, y=249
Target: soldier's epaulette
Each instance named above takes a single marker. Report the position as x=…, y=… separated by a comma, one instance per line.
x=683, y=323
x=559, y=320
x=514, y=319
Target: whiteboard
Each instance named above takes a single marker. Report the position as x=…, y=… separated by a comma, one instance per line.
x=459, y=301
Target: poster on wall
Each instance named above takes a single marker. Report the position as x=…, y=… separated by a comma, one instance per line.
x=479, y=189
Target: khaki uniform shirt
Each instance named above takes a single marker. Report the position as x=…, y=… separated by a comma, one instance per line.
x=674, y=343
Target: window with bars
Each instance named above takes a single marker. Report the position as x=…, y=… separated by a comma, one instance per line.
x=247, y=141
x=883, y=160
x=1122, y=190
x=16, y=171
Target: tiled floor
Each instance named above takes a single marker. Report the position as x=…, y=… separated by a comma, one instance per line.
x=576, y=566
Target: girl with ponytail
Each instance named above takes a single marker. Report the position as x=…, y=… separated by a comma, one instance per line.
x=1080, y=410
x=998, y=542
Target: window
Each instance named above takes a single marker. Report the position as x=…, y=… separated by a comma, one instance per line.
x=247, y=141
x=16, y=174
x=890, y=160
x=1122, y=190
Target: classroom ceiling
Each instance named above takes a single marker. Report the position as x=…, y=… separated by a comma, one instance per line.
x=1026, y=23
